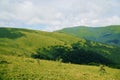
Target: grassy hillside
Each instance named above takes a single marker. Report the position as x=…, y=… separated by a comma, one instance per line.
x=24, y=42
x=18, y=47
x=21, y=68
x=109, y=34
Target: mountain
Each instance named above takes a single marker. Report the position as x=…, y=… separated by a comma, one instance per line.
x=108, y=34
x=54, y=45
x=38, y=55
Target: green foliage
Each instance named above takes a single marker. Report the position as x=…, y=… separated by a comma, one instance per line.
x=77, y=54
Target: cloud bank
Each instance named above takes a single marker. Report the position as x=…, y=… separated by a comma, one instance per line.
x=52, y=15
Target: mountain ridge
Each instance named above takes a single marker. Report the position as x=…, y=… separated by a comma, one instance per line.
x=24, y=42
x=107, y=34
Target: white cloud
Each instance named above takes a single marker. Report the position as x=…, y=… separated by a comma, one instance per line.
x=57, y=14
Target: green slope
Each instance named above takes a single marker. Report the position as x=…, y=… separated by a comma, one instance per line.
x=21, y=68
x=17, y=46
x=23, y=42
x=108, y=34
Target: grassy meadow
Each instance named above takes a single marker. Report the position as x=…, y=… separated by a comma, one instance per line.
x=21, y=68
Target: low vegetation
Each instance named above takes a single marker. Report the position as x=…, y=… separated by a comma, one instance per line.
x=21, y=68
x=24, y=54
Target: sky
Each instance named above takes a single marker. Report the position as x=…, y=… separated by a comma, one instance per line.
x=50, y=15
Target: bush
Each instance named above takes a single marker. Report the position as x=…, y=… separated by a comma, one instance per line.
x=76, y=54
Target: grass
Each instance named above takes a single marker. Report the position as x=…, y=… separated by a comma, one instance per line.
x=21, y=68
x=17, y=45
x=23, y=42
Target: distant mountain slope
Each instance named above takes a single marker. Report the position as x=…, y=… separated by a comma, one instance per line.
x=109, y=34
x=24, y=42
